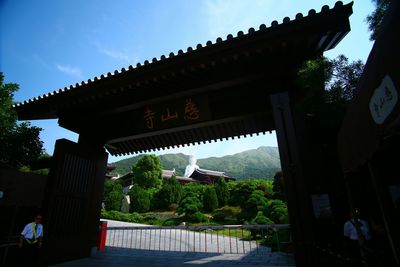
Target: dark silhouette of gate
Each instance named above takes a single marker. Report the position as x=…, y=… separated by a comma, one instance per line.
x=245, y=84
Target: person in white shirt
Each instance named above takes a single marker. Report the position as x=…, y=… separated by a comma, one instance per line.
x=350, y=228
x=30, y=241
x=357, y=234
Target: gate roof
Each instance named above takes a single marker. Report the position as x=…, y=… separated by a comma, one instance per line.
x=213, y=91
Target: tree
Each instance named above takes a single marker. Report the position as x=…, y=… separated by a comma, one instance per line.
x=20, y=143
x=341, y=78
x=327, y=87
x=170, y=193
x=255, y=205
x=147, y=172
x=7, y=116
x=210, y=200
x=222, y=191
x=140, y=199
x=277, y=211
x=196, y=189
x=326, y=80
x=241, y=192
x=112, y=195
x=375, y=19
x=190, y=206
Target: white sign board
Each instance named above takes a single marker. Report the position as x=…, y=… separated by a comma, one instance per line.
x=383, y=100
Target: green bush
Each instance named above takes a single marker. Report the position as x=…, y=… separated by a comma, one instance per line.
x=277, y=211
x=261, y=219
x=197, y=217
x=170, y=193
x=240, y=193
x=226, y=213
x=190, y=207
x=120, y=216
x=147, y=172
x=255, y=204
x=219, y=216
x=222, y=191
x=153, y=220
x=172, y=222
x=112, y=195
x=140, y=199
x=194, y=189
x=210, y=200
x=131, y=217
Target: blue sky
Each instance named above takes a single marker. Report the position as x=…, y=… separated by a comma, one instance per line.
x=47, y=45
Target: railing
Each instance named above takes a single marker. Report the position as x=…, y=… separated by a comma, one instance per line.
x=5, y=244
x=230, y=239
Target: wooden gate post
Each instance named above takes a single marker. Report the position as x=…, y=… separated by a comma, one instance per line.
x=73, y=201
x=298, y=197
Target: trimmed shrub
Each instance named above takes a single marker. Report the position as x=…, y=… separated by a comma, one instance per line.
x=120, y=216
x=112, y=195
x=255, y=204
x=226, y=213
x=277, y=211
x=140, y=199
x=222, y=191
x=197, y=217
x=170, y=193
x=210, y=200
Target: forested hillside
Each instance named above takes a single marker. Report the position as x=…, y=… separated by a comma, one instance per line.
x=258, y=163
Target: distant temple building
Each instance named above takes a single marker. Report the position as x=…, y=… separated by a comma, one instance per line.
x=198, y=176
x=193, y=174
x=109, y=169
x=209, y=176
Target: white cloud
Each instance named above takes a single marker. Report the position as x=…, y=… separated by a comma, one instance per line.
x=120, y=54
x=115, y=54
x=72, y=71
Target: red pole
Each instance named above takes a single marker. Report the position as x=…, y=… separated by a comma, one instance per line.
x=102, y=236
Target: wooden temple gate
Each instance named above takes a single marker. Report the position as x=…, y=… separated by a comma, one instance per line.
x=369, y=138
x=242, y=85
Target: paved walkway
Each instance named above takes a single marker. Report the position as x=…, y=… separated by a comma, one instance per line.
x=124, y=256
x=113, y=257
x=180, y=240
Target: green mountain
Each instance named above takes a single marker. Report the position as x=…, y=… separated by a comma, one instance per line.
x=260, y=163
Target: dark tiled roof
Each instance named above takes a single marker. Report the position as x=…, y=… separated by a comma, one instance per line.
x=110, y=167
x=210, y=172
x=235, y=76
x=168, y=173
x=204, y=172
x=181, y=53
x=184, y=179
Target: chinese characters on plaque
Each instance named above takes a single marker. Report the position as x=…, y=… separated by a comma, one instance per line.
x=383, y=100
x=177, y=113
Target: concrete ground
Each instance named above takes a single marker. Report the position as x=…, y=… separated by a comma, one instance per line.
x=131, y=256
x=147, y=258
